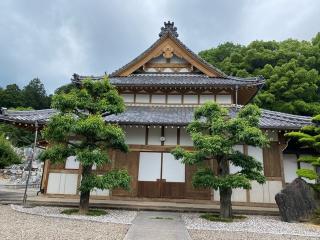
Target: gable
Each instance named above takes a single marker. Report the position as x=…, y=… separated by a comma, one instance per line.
x=168, y=52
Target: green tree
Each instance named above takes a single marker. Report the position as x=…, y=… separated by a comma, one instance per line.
x=80, y=130
x=214, y=134
x=291, y=69
x=17, y=136
x=7, y=154
x=34, y=95
x=309, y=138
x=11, y=96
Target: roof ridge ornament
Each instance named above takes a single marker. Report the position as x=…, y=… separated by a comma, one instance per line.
x=169, y=28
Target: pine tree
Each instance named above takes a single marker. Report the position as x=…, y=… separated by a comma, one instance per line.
x=214, y=134
x=309, y=137
x=80, y=130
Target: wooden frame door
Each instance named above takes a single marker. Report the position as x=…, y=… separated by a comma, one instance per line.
x=160, y=176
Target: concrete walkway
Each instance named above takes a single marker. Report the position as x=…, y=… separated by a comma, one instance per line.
x=157, y=226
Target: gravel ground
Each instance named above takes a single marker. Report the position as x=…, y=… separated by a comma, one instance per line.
x=227, y=235
x=252, y=226
x=17, y=225
x=113, y=216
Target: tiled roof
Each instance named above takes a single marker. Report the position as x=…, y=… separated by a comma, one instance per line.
x=183, y=115
x=163, y=115
x=176, y=79
x=41, y=116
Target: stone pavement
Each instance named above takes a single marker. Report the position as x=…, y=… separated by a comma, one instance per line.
x=157, y=226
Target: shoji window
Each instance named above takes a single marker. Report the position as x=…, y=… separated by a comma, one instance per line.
x=128, y=98
x=142, y=98
x=205, y=98
x=174, y=99
x=190, y=99
x=224, y=99
x=158, y=98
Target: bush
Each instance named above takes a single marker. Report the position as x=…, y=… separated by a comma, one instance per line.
x=7, y=154
x=91, y=212
x=216, y=217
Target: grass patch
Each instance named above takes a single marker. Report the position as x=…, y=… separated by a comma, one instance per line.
x=163, y=218
x=216, y=217
x=91, y=212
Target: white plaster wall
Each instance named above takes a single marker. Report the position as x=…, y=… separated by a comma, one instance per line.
x=190, y=99
x=150, y=70
x=264, y=193
x=174, y=99
x=149, y=166
x=205, y=98
x=154, y=136
x=185, y=70
x=290, y=167
x=167, y=70
x=274, y=188
x=258, y=192
x=233, y=168
x=171, y=136
x=54, y=183
x=224, y=99
x=158, y=98
x=72, y=163
x=238, y=195
x=142, y=98
x=185, y=138
x=172, y=170
x=128, y=98
x=256, y=153
x=62, y=183
x=135, y=135
x=99, y=192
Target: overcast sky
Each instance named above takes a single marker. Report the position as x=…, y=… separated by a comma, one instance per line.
x=54, y=39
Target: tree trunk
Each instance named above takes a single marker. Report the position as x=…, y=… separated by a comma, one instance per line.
x=225, y=203
x=225, y=193
x=84, y=202
x=85, y=195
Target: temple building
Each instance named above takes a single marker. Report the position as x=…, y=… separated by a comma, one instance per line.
x=161, y=88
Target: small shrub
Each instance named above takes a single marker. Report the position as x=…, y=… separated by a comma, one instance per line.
x=163, y=218
x=91, y=212
x=216, y=217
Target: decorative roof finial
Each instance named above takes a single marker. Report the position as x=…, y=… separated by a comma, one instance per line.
x=169, y=28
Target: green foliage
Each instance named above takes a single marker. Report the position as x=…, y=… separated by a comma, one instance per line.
x=214, y=134
x=91, y=212
x=291, y=69
x=80, y=130
x=32, y=96
x=216, y=218
x=307, y=173
x=309, y=138
x=110, y=180
x=17, y=136
x=7, y=154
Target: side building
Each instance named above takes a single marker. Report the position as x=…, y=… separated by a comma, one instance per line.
x=161, y=88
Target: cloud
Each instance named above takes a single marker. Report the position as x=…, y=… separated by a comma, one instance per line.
x=53, y=39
